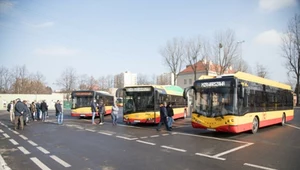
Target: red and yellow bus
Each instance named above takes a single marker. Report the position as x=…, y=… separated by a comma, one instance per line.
x=142, y=103
x=81, y=102
x=239, y=102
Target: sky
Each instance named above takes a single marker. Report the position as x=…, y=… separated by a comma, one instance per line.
x=100, y=38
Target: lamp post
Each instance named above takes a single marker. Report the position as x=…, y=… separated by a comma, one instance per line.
x=241, y=42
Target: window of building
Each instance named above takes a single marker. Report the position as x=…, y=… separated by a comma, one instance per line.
x=184, y=81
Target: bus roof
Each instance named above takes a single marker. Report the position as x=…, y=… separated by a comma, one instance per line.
x=256, y=79
x=165, y=89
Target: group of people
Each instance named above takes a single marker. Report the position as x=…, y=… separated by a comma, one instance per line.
x=166, y=116
x=21, y=113
x=101, y=112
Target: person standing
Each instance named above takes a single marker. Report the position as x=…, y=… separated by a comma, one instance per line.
x=11, y=110
x=114, y=114
x=33, y=111
x=170, y=115
x=93, y=109
x=163, y=117
x=60, y=116
x=38, y=110
x=101, y=112
x=19, y=111
x=44, y=110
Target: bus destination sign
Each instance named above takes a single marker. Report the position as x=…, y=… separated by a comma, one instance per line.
x=83, y=94
x=138, y=89
x=213, y=84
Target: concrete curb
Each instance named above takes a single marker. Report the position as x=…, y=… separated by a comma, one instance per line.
x=3, y=165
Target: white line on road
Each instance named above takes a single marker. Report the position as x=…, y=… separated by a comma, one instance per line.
x=294, y=126
x=24, y=150
x=144, y=137
x=43, y=150
x=6, y=135
x=39, y=163
x=209, y=137
x=148, y=143
x=32, y=143
x=104, y=133
x=91, y=130
x=165, y=134
x=9, y=129
x=15, y=132
x=23, y=137
x=1, y=130
x=154, y=136
x=3, y=164
x=257, y=166
x=123, y=137
x=232, y=150
x=208, y=156
x=175, y=149
x=13, y=142
x=63, y=163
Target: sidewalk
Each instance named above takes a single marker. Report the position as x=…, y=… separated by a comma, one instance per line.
x=3, y=165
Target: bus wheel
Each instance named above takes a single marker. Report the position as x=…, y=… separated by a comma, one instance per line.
x=255, y=125
x=283, y=121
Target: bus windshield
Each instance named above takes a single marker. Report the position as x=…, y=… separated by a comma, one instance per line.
x=81, y=101
x=138, y=102
x=214, y=101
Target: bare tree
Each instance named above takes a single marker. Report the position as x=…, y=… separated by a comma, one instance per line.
x=261, y=71
x=241, y=65
x=20, y=78
x=83, y=79
x=68, y=80
x=193, y=54
x=173, y=54
x=225, y=50
x=142, y=79
x=291, y=50
x=5, y=80
x=92, y=84
x=118, y=81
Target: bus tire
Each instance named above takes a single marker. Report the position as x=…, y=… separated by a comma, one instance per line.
x=283, y=120
x=255, y=125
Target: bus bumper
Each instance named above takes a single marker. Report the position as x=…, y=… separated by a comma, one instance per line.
x=226, y=128
x=149, y=120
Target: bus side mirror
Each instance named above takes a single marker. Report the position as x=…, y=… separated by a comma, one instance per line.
x=186, y=91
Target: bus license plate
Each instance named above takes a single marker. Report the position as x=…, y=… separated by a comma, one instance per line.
x=136, y=121
x=211, y=129
x=82, y=115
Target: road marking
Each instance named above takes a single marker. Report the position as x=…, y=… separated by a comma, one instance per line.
x=23, y=137
x=209, y=137
x=32, y=143
x=4, y=125
x=15, y=132
x=104, y=133
x=23, y=150
x=128, y=126
x=91, y=130
x=165, y=134
x=1, y=130
x=144, y=137
x=43, y=150
x=257, y=166
x=123, y=137
x=39, y=163
x=63, y=163
x=148, y=143
x=6, y=135
x=13, y=142
x=293, y=126
x=232, y=150
x=175, y=149
x=3, y=164
x=154, y=136
x=208, y=156
x=9, y=129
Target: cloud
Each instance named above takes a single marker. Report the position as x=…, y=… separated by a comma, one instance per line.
x=42, y=25
x=5, y=6
x=56, y=51
x=271, y=37
x=273, y=5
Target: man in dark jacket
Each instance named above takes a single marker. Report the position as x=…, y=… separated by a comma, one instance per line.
x=59, y=113
x=19, y=112
x=163, y=117
x=44, y=109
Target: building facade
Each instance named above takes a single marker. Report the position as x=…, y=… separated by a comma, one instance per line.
x=125, y=79
x=165, y=79
x=186, y=77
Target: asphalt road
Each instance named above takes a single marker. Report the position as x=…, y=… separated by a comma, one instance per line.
x=80, y=145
